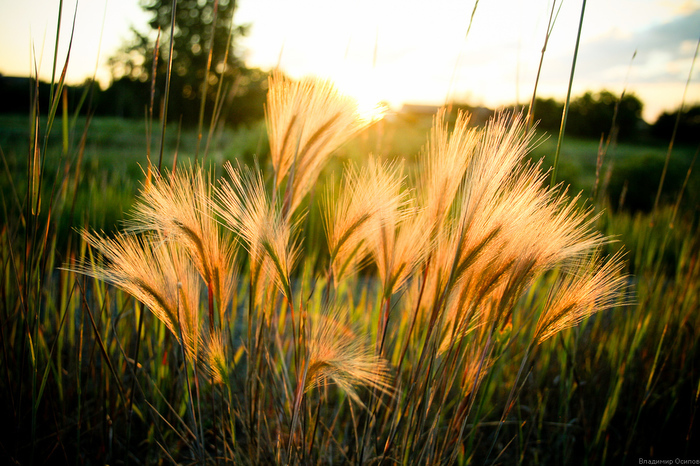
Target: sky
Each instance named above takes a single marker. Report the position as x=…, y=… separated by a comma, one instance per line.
x=406, y=51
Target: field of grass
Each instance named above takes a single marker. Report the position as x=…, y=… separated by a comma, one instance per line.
x=274, y=294
x=115, y=156
x=91, y=374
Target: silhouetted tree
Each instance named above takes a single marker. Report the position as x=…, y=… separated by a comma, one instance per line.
x=125, y=98
x=688, y=126
x=548, y=114
x=591, y=115
x=194, y=22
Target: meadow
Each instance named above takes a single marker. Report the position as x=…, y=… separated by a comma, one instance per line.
x=324, y=288
x=91, y=374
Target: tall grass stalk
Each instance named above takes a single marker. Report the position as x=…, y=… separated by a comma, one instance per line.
x=205, y=80
x=219, y=98
x=166, y=99
x=459, y=56
x=675, y=128
x=550, y=27
x=565, y=112
x=612, y=136
x=149, y=111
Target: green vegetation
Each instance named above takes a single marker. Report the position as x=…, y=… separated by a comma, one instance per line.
x=269, y=303
x=91, y=373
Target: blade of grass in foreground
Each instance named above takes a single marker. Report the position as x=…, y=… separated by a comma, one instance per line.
x=149, y=115
x=459, y=56
x=173, y=10
x=550, y=28
x=219, y=99
x=205, y=81
x=568, y=98
x=675, y=130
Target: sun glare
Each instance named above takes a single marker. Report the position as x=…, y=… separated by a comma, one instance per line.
x=365, y=89
x=371, y=110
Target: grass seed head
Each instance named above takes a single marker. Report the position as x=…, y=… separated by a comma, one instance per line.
x=179, y=206
x=337, y=355
x=443, y=164
x=216, y=358
x=306, y=121
x=594, y=286
x=157, y=273
x=357, y=215
x=266, y=233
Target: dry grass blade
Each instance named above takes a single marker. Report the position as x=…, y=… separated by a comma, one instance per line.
x=306, y=121
x=336, y=354
x=179, y=206
x=158, y=275
x=168, y=75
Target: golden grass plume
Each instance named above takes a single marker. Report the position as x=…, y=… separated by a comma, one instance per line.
x=178, y=205
x=336, y=354
x=306, y=121
x=157, y=273
x=358, y=213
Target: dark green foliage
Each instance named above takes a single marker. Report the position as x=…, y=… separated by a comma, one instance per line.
x=125, y=98
x=634, y=182
x=548, y=114
x=243, y=89
x=245, y=103
x=591, y=115
x=688, y=125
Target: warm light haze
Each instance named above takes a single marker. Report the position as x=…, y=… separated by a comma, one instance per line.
x=405, y=51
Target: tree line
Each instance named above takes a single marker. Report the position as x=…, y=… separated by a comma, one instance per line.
x=604, y=113
x=590, y=115
x=207, y=76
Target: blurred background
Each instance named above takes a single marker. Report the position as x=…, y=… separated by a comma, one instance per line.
x=396, y=52
x=634, y=70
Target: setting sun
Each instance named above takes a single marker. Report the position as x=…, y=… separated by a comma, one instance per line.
x=365, y=89
x=404, y=52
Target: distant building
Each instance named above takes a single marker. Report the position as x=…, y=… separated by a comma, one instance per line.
x=417, y=112
x=418, y=109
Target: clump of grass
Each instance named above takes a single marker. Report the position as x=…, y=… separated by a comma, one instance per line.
x=437, y=327
x=178, y=208
x=453, y=254
x=156, y=273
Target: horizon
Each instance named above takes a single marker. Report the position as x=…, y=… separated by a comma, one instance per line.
x=402, y=53
x=422, y=107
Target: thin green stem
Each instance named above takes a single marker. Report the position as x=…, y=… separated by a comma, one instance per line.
x=675, y=130
x=568, y=98
x=173, y=11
